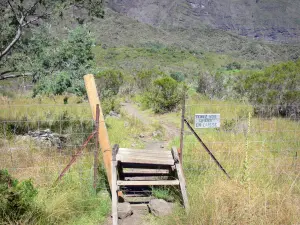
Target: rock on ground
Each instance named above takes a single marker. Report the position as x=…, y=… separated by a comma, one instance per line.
x=124, y=210
x=159, y=207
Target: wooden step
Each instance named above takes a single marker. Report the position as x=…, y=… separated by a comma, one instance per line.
x=138, y=154
x=158, y=152
x=145, y=160
x=147, y=178
x=147, y=183
x=144, y=171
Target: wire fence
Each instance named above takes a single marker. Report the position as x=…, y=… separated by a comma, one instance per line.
x=260, y=143
x=38, y=141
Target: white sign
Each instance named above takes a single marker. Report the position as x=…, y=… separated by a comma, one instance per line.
x=207, y=120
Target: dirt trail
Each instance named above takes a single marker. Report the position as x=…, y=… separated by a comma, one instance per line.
x=170, y=131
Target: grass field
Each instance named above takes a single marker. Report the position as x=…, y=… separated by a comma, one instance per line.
x=259, y=154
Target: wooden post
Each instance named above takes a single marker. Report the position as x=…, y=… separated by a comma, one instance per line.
x=93, y=97
x=181, y=179
x=182, y=127
x=96, y=152
x=114, y=187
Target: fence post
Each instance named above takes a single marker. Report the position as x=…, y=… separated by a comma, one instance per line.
x=103, y=135
x=182, y=126
x=96, y=152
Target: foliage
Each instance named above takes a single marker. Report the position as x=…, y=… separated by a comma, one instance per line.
x=211, y=84
x=109, y=82
x=16, y=198
x=165, y=95
x=20, y=16
x=277, y=87
x=111, y=104
x=144, y=78
x=233, y=66
x=59, y=66
x=178, y=76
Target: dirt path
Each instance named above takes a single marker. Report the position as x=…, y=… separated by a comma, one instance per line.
x=170, y=129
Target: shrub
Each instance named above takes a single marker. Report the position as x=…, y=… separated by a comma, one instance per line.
x=16, y=199
x=178, y=76
x=58, y=84
x=144, y=78
x=234, y=66
x=273, y=91
x=111, y=104
x=212, y=85
x=165, y=95
x=109, y=83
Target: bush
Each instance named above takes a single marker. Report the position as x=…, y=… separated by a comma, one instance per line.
x=110, y=104
x=212, y=85
x=178, y=76
x=165, y=95
x=109, y=83
x=234, y=66
x=273, y=91
x=58, y=84
x=144, y=78
x=16, y=199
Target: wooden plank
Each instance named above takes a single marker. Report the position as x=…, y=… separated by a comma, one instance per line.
x=114, y=194
x=145, y=166
x=145, y=171
x=160, y=157
x=149, y=154
x=127, y=150
x=147, y=183
x=146, y=178
x=181, y=179
x=139, y=194
x=144, y=160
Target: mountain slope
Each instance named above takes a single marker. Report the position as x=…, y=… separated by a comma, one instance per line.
x=273, y=20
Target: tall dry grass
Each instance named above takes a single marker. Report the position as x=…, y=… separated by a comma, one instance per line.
x=262, y=158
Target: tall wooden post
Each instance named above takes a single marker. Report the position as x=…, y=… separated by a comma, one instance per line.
x=93, y=97
x=182, y=125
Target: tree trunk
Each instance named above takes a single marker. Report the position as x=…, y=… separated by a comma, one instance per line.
x=12, y=43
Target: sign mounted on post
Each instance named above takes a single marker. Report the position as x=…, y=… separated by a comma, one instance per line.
x=207, y=120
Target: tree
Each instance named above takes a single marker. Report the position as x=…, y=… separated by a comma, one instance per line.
x=18, y=17
x=58, y=66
